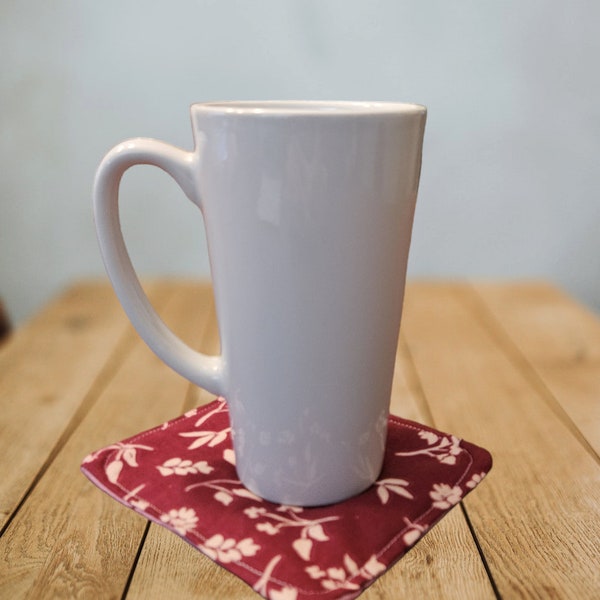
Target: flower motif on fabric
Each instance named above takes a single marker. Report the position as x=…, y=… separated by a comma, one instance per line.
x=444, y=496
x=444, y=448
x=475, y=480
x=180, y=520
x=180, y=466
x=394, y=486
x=336, y=578
x=227, y=550
x=288, y=516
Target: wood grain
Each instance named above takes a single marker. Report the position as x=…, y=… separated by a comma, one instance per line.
x=46, y=373
x=536, y=515
x=560, y=340
x=68, y=540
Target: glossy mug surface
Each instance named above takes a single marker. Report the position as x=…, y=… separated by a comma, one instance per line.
x=308, y=208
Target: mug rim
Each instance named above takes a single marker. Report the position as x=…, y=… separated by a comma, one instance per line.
x=307, y=107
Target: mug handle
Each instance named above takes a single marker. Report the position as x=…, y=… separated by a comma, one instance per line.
x=201, y=369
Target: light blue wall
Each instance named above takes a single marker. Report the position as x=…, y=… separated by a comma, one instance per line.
x=511, y=172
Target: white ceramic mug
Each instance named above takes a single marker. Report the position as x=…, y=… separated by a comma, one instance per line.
x=308, y=208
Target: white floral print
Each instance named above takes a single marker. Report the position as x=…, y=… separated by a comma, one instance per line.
x=475, y=480
x=180, y=466
x=444, y=496
x=335, y=578
x=443, y=447
x=227, y=550
x=125, y=454
x=182, y=475
x=180, y=520
x=209, y=438
x=311, y=529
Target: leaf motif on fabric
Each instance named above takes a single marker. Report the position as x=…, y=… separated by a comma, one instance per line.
x=113, y=470
x=373, y=567
x=395, y=486
x=210, y=438
x=122, y=451
x=350, y=565
x=268, y=528
x=229, y=456
x=315, y=572
x=226, y=490
x=383, y=494
x=430, y=437
x=316, y=532
x=129, y=456
x=246, y=493
x=180, y=466
x=223, y=497
x=303, y=547
x=343, y=577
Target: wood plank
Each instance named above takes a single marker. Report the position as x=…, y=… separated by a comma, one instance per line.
x=69, y=539
x=544, y=320
x=170, y=568
x=560, y=339
x=536, y=515
x=46, y=371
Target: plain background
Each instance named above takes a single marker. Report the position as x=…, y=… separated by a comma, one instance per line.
x=510, y=180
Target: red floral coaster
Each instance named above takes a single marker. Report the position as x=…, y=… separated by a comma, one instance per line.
x=181, y=475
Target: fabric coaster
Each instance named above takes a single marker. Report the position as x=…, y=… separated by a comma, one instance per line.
x=181, y=475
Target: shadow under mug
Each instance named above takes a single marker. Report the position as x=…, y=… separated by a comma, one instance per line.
x=308, y=209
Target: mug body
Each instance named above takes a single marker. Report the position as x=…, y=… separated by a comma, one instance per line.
x=308, y=208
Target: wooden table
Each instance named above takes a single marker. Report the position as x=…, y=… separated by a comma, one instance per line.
x=514, y=367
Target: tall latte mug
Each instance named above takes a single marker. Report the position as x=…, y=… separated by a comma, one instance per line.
x=308, y=209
